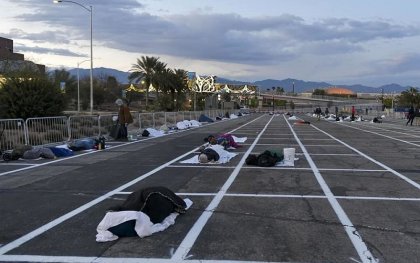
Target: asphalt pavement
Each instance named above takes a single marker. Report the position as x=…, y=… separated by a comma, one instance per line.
x=353, y=195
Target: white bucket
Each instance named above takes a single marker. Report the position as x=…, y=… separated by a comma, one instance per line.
x=289, y=156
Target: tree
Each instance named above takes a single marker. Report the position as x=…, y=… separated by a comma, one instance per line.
x=174, y=82
x=292, y=105
x=59, y=76
x=112, y=89
x=165, y=81
x=159, y=78
x=144, y=70
x=319, y=92
x=280, y=90
x=181, y=86
x=409, y=97
x=30, y=97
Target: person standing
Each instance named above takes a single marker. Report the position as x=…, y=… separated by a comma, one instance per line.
x=411, y=115
x=318, y=112
x=124, y=118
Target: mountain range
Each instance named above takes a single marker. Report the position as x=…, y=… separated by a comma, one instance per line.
x=287, y=84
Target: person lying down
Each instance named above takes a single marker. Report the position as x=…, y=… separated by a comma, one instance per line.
x=211, y=154
x=227, y=140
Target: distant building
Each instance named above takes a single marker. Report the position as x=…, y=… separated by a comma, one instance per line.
x=337, y=91
x=11, y=61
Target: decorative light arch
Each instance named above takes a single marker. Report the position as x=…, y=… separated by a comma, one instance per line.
x=204, y=84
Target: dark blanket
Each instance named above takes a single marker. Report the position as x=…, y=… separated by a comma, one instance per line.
x=204, y=118
x=156, y=202
x=265, y=159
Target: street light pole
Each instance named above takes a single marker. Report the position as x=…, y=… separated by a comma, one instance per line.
x=273, y=102
x=90, y=10
x=293, y=89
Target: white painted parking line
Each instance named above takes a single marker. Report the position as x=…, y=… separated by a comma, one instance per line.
x=390, y=131
x=352, y=170
x=16, y=164
x=31, y=235
x=383, y=135
x=323, y=145
x=277, y=168
x=313, y=139
x=387, y=168
x=36, y=258
x=189, y=240
x=18, y=242
x=377, y=198
x=356, y=239
x=201, y=166
x=330, y=154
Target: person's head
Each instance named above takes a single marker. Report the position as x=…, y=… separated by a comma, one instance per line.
x=202, y=158
x=210, y=139
x=119, y=102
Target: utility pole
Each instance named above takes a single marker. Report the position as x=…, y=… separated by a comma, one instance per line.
x=293, y=89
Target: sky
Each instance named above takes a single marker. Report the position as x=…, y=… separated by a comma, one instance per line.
x=368, y=42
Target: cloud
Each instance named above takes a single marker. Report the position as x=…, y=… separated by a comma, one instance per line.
x=264, y=43
x=41, y=50
x=43, y=37
x=217, y=37
x=408, y=62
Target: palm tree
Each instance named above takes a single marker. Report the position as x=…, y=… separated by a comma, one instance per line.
x=181, y=84
x=174, y=82
x=144, y=70
x=159, y=77
x=170, y=84
x=409, y=97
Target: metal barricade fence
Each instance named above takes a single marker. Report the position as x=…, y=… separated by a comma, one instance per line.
x=53, y=130
x=47, y=130
x=160, y=119
x=83, y=126
x=12, y=132
x=106, y=122
x=170, y=118
x=179, y=116
x=135, y=123
x=193, y=115
x=196, y=115
x=146, y=120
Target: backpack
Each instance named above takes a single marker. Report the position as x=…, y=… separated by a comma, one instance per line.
x=145, y=133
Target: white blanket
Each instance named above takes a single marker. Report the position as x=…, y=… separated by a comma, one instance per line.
x=286, y=163
x=224, y=156
x=238, y=140
x=155, y=133
x=144, y=227
x=195, y=123
x=182, y=125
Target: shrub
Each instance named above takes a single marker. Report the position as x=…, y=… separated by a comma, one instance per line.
x=30, y=97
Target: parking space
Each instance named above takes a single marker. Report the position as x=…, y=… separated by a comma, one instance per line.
x=344, y=200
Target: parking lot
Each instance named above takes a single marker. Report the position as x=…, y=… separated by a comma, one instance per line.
x=353, y=195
